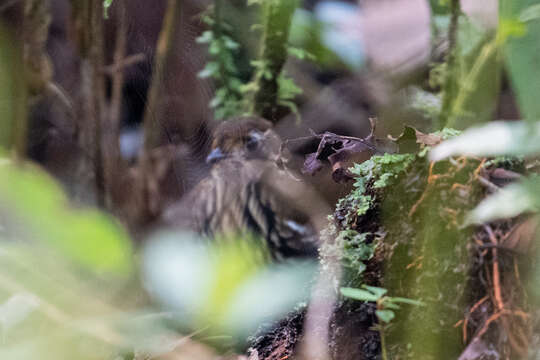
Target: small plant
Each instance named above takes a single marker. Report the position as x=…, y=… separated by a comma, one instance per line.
x=269, y=87
x=222, y=68
x=385, y=307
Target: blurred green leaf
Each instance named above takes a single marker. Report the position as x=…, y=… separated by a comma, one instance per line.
x=226, y=286
x=508, y=202
x=33, y=206
x=492, y=139
x=16, y=309
x=522, y=54
x=531, y=13
x=106, y=5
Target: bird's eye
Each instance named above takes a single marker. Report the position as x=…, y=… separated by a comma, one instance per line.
x=253, y=139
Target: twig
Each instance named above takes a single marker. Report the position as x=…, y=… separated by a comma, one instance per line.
x=495, y=269
x=169, y=38
x=488, y=184
x=124, y=62
x=112, y=160
x=471, y=311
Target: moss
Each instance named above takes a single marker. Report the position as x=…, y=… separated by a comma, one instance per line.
x=349, y=236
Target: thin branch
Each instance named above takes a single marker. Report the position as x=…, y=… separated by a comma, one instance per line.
x=124, y=63
x=169, y=37
x=112, y=161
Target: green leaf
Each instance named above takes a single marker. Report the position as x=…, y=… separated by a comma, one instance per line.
x=492, y=139
x=390, y=305
x=522, y=54
x=385, y=315
x=106, y=5
x=529, y=14
x=227, y=286
x=358, y=294
x=206, y=37
x=209, y=70
x=34, y=207
x=508, y=202
x=406, y=301
x=230, y=43
x=379, y=292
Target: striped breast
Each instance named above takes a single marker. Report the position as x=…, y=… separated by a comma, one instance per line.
x=236, y=198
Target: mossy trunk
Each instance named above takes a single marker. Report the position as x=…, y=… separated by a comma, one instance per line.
x=427, y=257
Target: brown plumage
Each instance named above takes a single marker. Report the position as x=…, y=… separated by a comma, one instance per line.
x=245, y=192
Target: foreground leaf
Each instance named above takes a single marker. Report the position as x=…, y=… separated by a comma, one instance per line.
x=495, y=138
x=33, y=207
x=508, y=202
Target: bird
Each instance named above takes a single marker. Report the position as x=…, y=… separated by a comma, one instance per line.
x=246, y=191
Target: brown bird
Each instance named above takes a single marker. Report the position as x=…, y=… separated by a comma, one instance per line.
x=246, y=191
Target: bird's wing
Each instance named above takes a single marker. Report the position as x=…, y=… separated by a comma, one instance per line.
x=280, y=207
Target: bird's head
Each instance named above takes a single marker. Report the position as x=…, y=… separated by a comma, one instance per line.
x=246, y=138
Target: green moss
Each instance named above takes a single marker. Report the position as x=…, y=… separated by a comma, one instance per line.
x=383, y=170
x=349, y=236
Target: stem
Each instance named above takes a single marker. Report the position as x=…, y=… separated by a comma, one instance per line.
x=383, y=343
x=451, y=82
x=277, y=22
x=13, y=89
x=91, y=109
x=470, y=81
x=112, y=161
x=155, y=111
x=169, y=37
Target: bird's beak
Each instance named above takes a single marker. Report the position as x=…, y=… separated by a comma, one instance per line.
x=214, y=156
